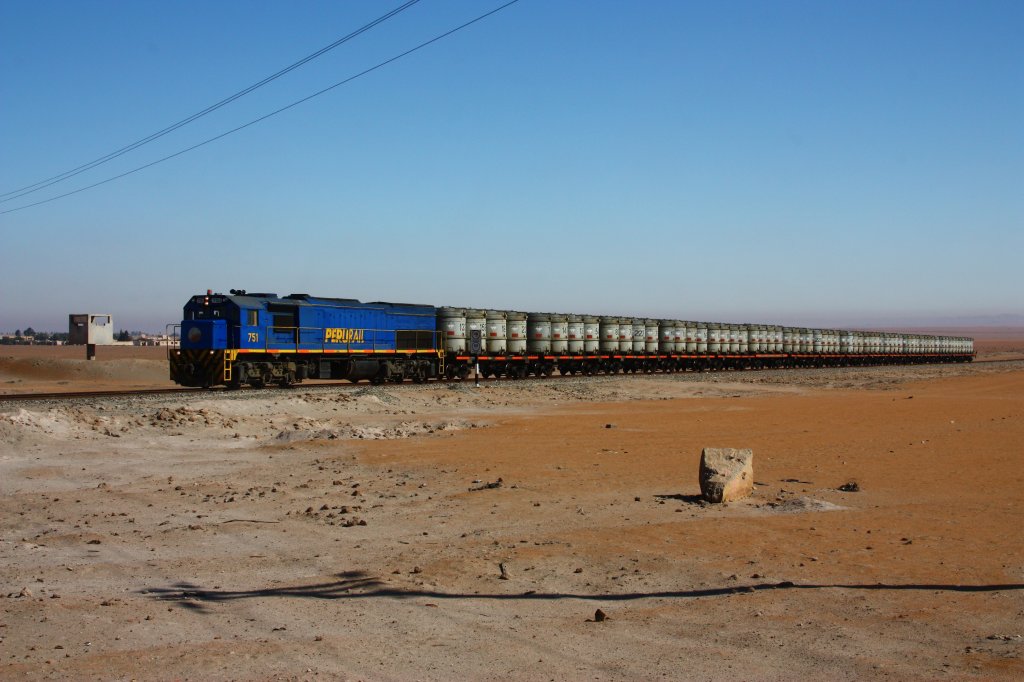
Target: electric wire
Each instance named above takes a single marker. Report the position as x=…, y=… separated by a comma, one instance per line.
x=273, y=113
x=42, y=184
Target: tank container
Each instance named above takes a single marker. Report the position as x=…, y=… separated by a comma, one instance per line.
x=789, y=340
x=497, y=332
x=626, y=335
x=690, y=337
x=702, y=337
x=714, y=337
x=732, y=340
x=743, y=336
x=753, y=339
x=609, y=335
x=845, y=342
x=651, y=336
x=576, y=332
x=679, y=335
x=538, y=333
x=559, y=333
x=639, y=336
x=516, y=332
x=591, y=334
x=777, y=343
x=666, y=337
x=452, y=325
x=817, y=340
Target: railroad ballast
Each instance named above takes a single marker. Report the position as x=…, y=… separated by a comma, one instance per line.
x=257, y=339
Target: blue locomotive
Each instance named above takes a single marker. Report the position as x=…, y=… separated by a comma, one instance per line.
x=261, y=338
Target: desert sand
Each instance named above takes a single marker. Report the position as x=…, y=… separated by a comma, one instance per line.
x=451, y=532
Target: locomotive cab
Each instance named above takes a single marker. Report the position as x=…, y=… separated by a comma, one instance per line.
x=206, y=324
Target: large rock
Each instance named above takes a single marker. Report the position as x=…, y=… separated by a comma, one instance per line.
x=726, y=474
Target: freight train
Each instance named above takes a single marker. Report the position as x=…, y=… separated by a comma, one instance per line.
x=257, y=339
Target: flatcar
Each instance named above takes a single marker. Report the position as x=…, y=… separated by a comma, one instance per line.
x=258, y=339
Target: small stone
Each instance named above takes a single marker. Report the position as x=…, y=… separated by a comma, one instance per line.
x=851, y=487
x=600, y=616
x=25, y=592
x=726, y=474
x=609, y=426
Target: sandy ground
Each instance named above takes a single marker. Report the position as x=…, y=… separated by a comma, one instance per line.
x=352, y=534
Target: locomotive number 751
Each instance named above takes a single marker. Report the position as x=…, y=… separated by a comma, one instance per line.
x=254, y=337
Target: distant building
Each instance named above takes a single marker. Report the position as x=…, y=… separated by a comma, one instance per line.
x=91, y=329
x=161, y=340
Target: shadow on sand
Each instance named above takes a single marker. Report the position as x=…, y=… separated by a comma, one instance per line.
x=360, y=585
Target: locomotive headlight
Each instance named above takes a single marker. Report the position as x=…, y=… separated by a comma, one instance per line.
x=195, y=335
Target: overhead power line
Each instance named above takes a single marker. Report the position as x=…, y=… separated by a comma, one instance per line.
x=273, y=113
x=42, y=184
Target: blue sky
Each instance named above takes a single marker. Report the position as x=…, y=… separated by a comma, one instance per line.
x=846, y=164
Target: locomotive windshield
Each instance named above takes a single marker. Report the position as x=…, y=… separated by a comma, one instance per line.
x=206, y=308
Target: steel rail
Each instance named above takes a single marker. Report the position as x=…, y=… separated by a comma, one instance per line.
x=340, y=383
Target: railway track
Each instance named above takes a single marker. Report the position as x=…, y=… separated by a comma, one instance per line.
x=76, y=395
x=69, y=395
